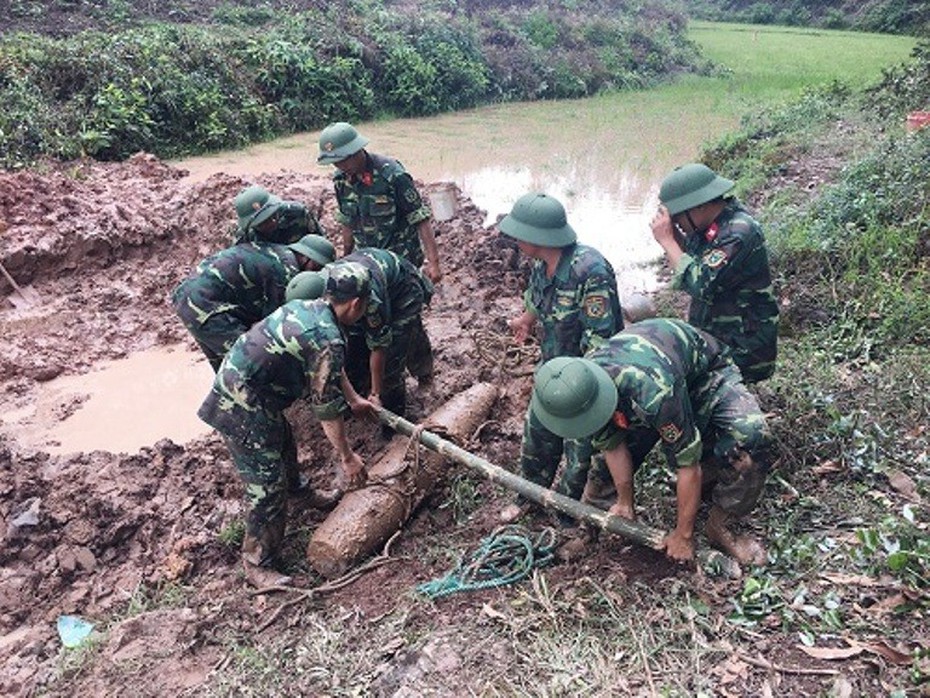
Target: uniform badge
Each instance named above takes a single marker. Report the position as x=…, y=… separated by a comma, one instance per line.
x=715, y=258
x=328, y=146
x=619, y=419
x=411, y=196
x=670, y=432
x=595, y=306
x=711, y=233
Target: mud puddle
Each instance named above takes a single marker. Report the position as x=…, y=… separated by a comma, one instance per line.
x=120, y=406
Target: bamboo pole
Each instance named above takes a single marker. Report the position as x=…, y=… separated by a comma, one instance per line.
x=547, y=498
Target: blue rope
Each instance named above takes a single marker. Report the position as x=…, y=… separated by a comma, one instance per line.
x=508, y=555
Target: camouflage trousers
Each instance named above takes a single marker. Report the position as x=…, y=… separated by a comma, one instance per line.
x=420, y=353
x=541, y=453
x=393, y=390
x=265, y=456
x=215, y=334
x=731, y=422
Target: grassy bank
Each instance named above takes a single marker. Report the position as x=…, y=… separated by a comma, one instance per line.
x=249, y=73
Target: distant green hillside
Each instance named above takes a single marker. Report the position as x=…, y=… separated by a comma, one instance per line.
x=890, y=16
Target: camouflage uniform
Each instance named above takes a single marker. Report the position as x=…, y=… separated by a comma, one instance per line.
x=398, y=293
x=725, y=270
x=385, y=212
x=297, y=351
x=294, y=221
x=579, y=308
x=382, y=208
x=232, y=290
x=678, y=385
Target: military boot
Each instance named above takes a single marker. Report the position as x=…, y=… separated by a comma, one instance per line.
x=259, y=550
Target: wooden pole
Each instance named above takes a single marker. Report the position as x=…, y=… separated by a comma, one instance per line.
x=632, y=530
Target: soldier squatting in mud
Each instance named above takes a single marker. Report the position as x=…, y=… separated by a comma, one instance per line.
x=599, y=387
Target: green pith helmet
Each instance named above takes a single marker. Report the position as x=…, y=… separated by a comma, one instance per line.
x=306, y=286
x=572, y=397
x=338, y=141
x=248, y=202
x=348, y=280
x=691, y=185
x=316, y=247
x=538, y=219
x=265, y=212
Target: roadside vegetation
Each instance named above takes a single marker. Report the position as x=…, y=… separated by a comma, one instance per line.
x=249, y=72
x=887, y=16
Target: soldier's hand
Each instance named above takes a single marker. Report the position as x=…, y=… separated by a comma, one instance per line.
x=364, y=408
x=521, y=326
x=433, y=272
x=623, y=511
x=678, y=547
x=662, y=228
x=353, y=473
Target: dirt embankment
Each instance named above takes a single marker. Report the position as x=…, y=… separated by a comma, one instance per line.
x=103, y=245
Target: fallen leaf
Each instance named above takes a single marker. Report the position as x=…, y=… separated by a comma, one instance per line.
x=491, y=612
x=888, y=604
x=831, y=652
x=828, y=466
x=890, y=654
x=904, y=485
x=860, y=580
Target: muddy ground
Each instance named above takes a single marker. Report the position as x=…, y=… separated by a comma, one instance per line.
x=139, y=543
x=103, y=245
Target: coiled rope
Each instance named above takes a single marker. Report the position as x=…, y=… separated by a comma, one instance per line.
x=508, y=555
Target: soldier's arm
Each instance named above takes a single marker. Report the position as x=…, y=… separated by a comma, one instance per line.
x=348, y=241
x=620, y=464
x=376, y=364
x=351, y=464
x=679, y=543
x=430, y=250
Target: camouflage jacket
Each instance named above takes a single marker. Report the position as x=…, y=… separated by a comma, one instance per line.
x=294, y=221
x=382, y=207
x=398, y=292
x=725, y=270
x=579, y=307
x=247, y=280
x=660, y=367
x=297, y=351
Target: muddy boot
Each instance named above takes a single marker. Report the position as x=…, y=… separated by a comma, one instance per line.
x=599, y=493
x=258, y=553
x=746, y=550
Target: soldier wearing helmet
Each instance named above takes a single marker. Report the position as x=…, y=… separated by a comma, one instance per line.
x=664, y=381
x=572, y=296
x=263, y=217
x=378, y=205
x=297, y=351
x=377, y=353
x=231, y=290
x=718, y=255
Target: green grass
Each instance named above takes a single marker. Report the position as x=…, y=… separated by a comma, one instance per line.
x=766, y=62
